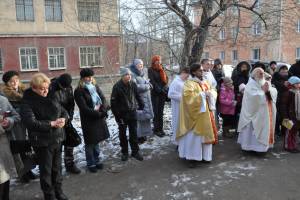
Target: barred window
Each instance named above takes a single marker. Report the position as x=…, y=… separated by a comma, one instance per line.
x=53, y=10
x=28, y=58
x=24, y=10
x=91, y=56
x=56, y=57
x=88, y=10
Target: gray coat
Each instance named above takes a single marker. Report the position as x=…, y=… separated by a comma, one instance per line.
x=7, y=167
x=144, y=116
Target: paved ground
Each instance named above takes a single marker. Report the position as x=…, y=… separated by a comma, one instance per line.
x=233, y=175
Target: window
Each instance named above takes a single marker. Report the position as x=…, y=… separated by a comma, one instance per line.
x=234, y=32
x=28, y=58
x=222, y=34
x=88, y=10
x=91, y=56
x=258, y=4
x=256, y=54
x=56, y=58
x=298, y=26
x=53, y=10
x=298, y=53
x=256, y=28
x=1, y=62
x=24, y=10
x=222, y=55
x=234, y=55
x=206, y=55
x=235, y=10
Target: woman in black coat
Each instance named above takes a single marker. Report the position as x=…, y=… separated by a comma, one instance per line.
x=93, y=112
x=44, y=120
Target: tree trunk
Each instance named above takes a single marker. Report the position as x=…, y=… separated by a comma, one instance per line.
x=197, y=49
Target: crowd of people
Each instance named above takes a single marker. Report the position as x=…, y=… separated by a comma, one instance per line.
x=256, y=103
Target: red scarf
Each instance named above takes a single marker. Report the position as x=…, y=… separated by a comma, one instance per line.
x=159, y=68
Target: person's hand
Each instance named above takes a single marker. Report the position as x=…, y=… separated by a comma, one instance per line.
x=286, y=83
x=265, y=87
x=97, y=107
x=5, y=123
x=234, y=103
x=61, y=122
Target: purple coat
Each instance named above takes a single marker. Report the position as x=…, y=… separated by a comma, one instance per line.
x=226, y=98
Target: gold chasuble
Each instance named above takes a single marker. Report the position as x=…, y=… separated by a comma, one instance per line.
x=191, y=118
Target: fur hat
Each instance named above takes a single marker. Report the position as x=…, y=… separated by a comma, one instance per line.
x=65, y=80
x=86, y=72
x=124, y=71
x=8, y=75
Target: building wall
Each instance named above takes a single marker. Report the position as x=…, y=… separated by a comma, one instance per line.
x=69, y=26
x=10, y=53
x=278, y=42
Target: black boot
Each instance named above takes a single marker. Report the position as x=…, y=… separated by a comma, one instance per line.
x=60, y=196
x=138, y=156
x=73, y=169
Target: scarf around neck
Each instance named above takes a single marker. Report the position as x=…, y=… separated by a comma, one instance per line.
x=93, y=92
x=162, y=73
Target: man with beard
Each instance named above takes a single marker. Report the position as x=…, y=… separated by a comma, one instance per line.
x=280, y=81
x=196, y=130
x=258, y=114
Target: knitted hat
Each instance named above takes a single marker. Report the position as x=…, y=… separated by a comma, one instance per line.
x=65, y=80
x=227, y=81
x=294, y=80
x=86, y=72
x=8, y=75
x=124, y=71
x=137, y=61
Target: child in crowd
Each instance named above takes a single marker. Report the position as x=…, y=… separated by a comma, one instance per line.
x=227, y=105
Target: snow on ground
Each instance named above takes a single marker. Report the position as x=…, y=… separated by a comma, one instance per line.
x=110, y=149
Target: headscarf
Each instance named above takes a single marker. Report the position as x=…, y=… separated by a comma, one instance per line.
x=159, y=68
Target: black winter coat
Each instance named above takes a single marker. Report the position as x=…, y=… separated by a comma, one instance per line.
x=64, y=96
x=159, y=87
x=125, y=100
x=93, y=122
x=37, y=112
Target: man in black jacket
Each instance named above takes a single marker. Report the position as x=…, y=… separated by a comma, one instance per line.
x=61, y=91
x=124, y=103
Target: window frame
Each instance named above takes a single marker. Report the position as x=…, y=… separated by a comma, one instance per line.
x=1, y=60
x=53, y=16
x=37, y=60
x=298, y=26
x=102, y=49
x=56, y=68
x=222, y=34
x=235, y=52
x=24, y=18
x=222, y=55
x=253, y=53
x=81, y=18
x=255, y=28
x=297, y=53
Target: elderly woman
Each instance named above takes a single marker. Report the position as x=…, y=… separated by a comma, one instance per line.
x=143, y=88
x=7, y=167
x=44, y=120
x=93, y=112
x=13, y=90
